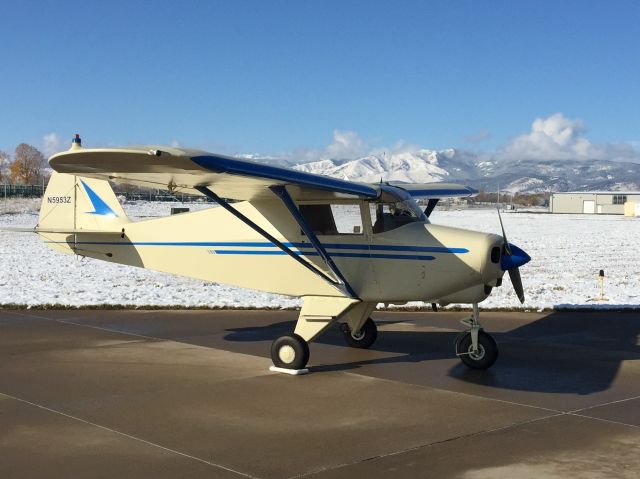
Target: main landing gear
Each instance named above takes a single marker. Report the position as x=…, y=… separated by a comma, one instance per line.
x=362, y=339
x=475, y=348
x=290, y=352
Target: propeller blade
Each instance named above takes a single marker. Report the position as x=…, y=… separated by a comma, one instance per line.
x=516, y=281
x=507, y=248
x=511, y=262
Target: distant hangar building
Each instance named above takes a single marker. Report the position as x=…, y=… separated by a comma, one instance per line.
x=593, y=202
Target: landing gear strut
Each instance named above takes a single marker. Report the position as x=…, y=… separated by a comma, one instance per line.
x=475, y=348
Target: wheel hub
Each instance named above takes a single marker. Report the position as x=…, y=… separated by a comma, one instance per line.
x=358, y=336
x=476, y=355
x=286, y=354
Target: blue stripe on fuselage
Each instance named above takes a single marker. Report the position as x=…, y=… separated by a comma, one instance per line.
x=339, y=246
x=338, y=255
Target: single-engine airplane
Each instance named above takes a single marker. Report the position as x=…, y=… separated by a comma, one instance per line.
x=342, y=246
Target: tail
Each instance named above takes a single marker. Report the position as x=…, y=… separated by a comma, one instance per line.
x=78, y=205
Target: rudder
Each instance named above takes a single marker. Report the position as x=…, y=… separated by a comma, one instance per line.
x=73, y=204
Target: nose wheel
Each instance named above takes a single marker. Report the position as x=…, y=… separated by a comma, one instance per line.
x=475, y=348
x=481, y=357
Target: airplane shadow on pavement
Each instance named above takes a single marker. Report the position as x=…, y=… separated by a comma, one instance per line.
x=562, y=352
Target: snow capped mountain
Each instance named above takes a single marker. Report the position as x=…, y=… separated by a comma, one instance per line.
x=421, y=166
x=482, y=171
x=530, y=176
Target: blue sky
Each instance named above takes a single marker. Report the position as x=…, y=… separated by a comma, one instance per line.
x=277, y=77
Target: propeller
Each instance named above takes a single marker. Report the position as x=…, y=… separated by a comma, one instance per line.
x=512, y=258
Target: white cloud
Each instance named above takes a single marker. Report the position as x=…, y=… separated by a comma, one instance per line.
x=349, y=145
x=51, y=144
x=175, y=143
x=479, y=137
x=560, y=138
x=346, y=144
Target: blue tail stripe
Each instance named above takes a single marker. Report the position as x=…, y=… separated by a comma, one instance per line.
x=99, y=206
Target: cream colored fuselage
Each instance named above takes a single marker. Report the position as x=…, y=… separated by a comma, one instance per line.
x=418, y=261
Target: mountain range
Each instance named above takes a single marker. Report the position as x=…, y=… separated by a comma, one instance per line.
x=483, y=171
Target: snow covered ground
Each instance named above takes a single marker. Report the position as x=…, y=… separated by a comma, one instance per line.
x=567, y=252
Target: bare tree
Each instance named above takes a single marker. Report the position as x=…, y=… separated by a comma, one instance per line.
x=27, y=165
x=4, y=166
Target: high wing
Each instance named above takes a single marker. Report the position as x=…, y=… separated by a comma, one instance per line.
x=187, y=171
x=435, y=190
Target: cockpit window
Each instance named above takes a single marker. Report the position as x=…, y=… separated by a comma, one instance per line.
x=333, y=219
x=387, y=216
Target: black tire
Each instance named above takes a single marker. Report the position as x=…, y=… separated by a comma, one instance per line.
x=365, y=339
x=290, y=352
x=487, y=351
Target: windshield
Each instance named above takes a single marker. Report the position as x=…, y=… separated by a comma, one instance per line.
x=387, y=216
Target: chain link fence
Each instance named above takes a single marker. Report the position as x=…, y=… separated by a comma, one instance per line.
x=36, y=191
x=22, y=191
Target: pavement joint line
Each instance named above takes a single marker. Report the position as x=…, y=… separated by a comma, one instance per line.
x=129, y=436
x=99, y=328
x=126, y=333
x=462, y=436
x=474, y=396
x=603, y=420
x=605, y=404
x=425, y=446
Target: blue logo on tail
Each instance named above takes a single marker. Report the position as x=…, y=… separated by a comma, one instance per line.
x=99, y=206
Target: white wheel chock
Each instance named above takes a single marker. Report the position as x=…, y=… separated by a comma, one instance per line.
x=291, y=372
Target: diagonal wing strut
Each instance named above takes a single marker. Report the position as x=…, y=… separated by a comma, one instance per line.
x=283, y=194
x=341, y=283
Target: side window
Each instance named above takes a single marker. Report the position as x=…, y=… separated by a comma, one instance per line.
x=389, y=216
x=333, y=219
x=347, y=218
x=319, y=218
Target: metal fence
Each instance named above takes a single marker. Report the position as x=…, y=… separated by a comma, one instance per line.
x=36, y=191
x=22, y=191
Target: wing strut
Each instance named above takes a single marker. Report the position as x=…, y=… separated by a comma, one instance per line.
x=282, y=192
x=430, y=206
x=210, y=194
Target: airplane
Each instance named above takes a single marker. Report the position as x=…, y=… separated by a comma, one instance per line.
x=342, y=246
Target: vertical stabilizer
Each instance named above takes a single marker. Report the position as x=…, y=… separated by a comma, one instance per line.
x=80, y=203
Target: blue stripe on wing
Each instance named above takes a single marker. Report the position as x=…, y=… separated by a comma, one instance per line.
x=221, y=164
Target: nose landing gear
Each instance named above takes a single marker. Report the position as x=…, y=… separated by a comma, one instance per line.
x=475, y=348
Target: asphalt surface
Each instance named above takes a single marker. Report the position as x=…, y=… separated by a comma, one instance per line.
x=188, y=394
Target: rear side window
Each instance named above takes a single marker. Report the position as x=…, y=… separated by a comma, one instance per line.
x=333, y=219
